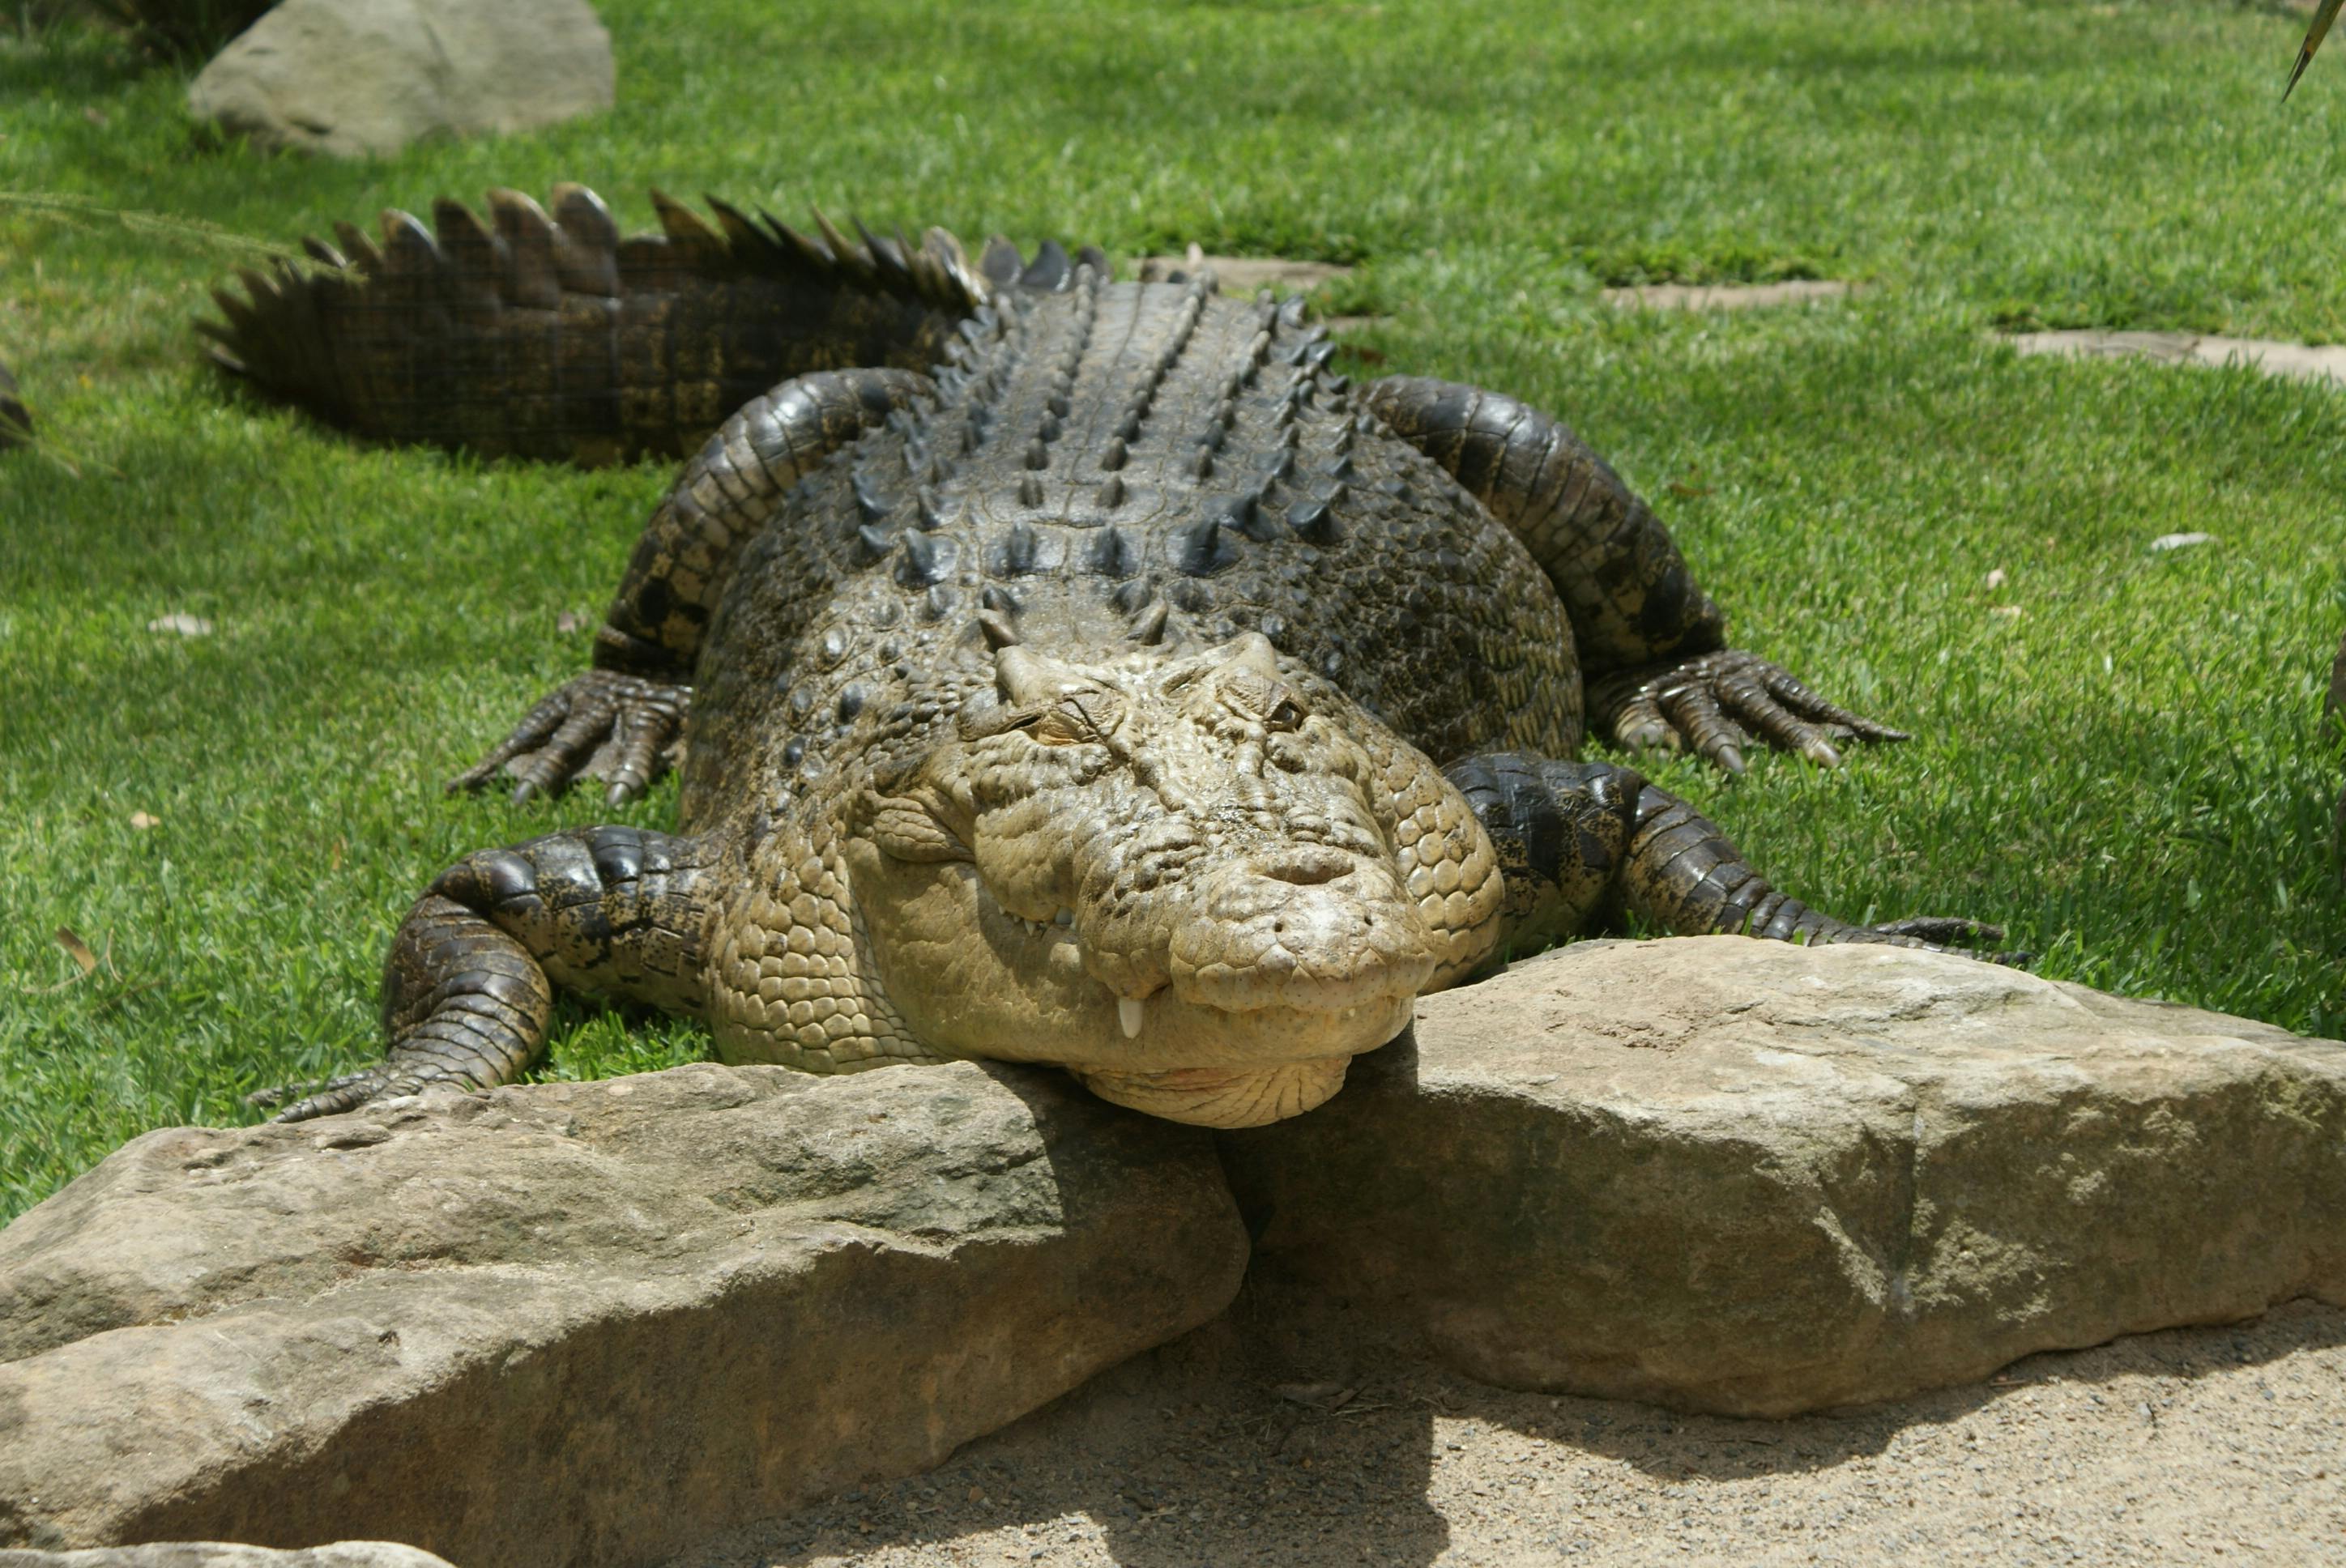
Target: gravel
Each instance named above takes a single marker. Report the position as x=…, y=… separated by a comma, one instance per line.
x=1276, y=1437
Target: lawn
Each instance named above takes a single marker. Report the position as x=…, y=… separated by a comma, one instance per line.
x=2119, y=753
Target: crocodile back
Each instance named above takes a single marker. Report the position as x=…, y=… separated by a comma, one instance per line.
x=1095, y=461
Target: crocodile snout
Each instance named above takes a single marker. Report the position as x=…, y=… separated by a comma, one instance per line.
x=1306, y=928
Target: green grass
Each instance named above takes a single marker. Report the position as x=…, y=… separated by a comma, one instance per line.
x=2131, y=771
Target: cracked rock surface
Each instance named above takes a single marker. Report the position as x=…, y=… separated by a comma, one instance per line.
x=582, y=1322
x=1749, y=1178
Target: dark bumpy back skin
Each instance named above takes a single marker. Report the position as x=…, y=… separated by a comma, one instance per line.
x=545, y=334
x=1096, y=462
x=1633, y=600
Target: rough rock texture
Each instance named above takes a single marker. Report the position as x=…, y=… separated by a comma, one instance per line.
x=357, y=77
x=572, y=1323
x=1754, y=1179
x=222, y=1554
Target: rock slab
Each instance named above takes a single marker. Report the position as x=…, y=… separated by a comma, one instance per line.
x=354, y=78
x=1748, y=1178
x=583, y=1323
x=224, y=1555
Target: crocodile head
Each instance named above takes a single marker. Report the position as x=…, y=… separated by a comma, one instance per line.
x=1202, y=881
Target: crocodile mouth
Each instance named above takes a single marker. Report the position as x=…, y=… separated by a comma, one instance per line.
x=1222, y=1098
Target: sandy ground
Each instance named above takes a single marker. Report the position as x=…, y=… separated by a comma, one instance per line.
x=1251, y=1443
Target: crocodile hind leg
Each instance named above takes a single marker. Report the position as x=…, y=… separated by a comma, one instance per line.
x=1653, y=646
x=1582, y=843
x=620, y=720
x=468, y=988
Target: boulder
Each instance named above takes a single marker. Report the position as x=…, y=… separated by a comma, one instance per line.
x=1749, y=1178
x=221, y=1554
x=583, y=1323
x=354, y=78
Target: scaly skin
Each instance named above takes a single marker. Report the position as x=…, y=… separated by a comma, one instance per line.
x=1067, y=686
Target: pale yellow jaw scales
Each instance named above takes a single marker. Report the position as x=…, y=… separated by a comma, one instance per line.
x=1223, y=1097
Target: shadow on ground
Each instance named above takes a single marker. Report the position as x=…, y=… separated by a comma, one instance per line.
x=1277, y=1437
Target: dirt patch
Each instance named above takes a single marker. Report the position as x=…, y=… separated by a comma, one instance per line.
x=1255, y=1440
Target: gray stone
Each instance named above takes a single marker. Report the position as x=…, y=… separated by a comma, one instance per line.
x=223, y=1554
x=352, y=77
x=583, y=1323
x=1750, y=1178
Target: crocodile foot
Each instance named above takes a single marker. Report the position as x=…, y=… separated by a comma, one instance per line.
x=600, y=725
x=1714, y=703
x=384, y=1081
x=1947, y=933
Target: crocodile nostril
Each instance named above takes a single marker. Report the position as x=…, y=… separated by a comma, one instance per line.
x=1304, y=868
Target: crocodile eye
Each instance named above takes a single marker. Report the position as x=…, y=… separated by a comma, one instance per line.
x=1076, y=718
x=1286, y=714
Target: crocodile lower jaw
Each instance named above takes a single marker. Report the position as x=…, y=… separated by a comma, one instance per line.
x=1223, y=1097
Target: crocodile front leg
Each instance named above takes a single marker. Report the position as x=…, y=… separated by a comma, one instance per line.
x=620, y=721
x=468, y=988
x=1582, y=842
x=1653, y=646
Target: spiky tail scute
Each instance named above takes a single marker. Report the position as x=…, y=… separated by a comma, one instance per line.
x=551, y=336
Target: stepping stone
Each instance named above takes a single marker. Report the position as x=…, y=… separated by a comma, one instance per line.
x=2272, y=357
x=1244, y=274
x=1726, y=296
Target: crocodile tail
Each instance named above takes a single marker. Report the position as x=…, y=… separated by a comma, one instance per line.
x=547, y=334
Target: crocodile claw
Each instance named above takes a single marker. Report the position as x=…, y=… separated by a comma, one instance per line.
x=622, y=729
x=1953, y=931
x=1715, y=703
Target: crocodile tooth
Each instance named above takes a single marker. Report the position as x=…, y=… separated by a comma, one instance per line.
x=1130, y=1012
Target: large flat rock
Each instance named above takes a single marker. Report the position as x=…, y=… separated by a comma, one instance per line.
x=1754, y=1179
x=588, y=1322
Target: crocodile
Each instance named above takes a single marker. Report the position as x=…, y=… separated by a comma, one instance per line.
x=1057, y=669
